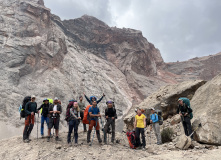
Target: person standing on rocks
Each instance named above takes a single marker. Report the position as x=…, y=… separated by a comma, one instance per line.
x=44, y=114
x=82, y=108
x=184, y=111
x=54, y=118
x=30, y=110
x=93, y=98
x=154, y=120
x=94, y=114
x=110, y=115
x=74, y=122
x=139, y=125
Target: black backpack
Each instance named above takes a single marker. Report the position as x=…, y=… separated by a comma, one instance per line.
x=160, y=118
x=22, y=109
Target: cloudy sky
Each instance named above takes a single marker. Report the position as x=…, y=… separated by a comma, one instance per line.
x=181, y=29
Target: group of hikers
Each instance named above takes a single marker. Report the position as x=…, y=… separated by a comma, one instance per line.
x=77, y=111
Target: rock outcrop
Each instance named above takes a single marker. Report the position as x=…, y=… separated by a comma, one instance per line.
x=206, y=104
x=165, y=99
x=204, y=68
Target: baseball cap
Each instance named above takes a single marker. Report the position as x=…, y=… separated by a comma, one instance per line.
x=33, y=96
x=152, y=109
x=56, y=98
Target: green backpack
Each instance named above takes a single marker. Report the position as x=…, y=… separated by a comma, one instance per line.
x=186, y=101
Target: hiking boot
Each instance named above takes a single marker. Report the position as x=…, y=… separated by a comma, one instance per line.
x=159, y=143
x=85, y=130
x=70, y=144
x=143, y=148
x=57, y=138
x=26, y=141
x=48, y=140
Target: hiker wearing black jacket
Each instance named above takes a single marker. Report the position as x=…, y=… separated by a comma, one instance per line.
x=30, y=110
x=110, y=115
x=93, y=98
x=54, y=118
x=44, y=114
x=184, y=111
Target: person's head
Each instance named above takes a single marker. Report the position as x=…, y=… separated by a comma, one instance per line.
x=152, y=110
x=109, y=104
x=81, y=98
x=94, y=103
x=33, y=98
x=46, y=101
x=75, y=105
x=180, y=101
x=55, y=100
x=139, y=111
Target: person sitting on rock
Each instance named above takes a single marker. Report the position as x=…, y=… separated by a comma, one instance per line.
x=44, y=114
x=184, y=111
x=74, y=122
x=54, y=118
x=156, y=126
x=94, y=114
x=82, y=108
x=110, y=115
x=139, y=125
x=93, y=98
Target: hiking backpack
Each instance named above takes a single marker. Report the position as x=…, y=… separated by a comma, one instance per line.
x=131, y=136
x=85, y=119
x=22, y=107
x=186, y=102
x=160, y=118
x=69, y=106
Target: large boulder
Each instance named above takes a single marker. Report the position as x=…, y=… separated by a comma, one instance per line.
x=165, y=99
x=206, y=105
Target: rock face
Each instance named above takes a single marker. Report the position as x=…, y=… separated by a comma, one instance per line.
x=206, y=105
x=47, y=57
x=204, y=68
x=165, y=99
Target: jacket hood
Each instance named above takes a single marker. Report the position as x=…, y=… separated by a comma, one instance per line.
x=93, y=97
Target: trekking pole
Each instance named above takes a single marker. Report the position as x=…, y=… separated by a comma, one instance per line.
x=200, y=125
x=37, y=126
x=150, y=132
x=93, y=134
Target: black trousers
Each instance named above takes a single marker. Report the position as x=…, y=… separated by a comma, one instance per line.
x=108, y=123
x=139, y=131
x=187, y=126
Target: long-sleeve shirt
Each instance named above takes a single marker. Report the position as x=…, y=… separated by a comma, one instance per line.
x=90, y=101
x=31, y=107
x=110, y=112
x=154, y=118
x=74, y=113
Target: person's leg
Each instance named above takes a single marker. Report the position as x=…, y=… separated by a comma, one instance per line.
x=105, y=130
x=98, y=132
x=50, y=125
x=91, y=124
x=185, y=127
x=42, y=125
x=143, y=137
x=31, y=125
x=56, y=127
x=188, y=126
x=70, y=129
x=137, y=132
x=157, y=127
x=76, y=131
x=25, y=132
x=113, y=131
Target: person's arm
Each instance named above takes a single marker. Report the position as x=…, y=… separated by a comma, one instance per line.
x=26, y=108
x=87, y=99
x=155, y=118
x=100, y=99
x=36, y=109
x=40, y=107
x=189, y=110
x=135, y=123
x=50, y=109
x=115, y=113
x=144, y=121
x=59, y=112
x=106, y=114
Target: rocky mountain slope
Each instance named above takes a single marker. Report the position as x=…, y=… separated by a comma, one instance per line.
x=43, y=55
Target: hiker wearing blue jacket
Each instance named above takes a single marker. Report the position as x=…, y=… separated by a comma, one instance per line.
x=93, y=98
x=156, y=126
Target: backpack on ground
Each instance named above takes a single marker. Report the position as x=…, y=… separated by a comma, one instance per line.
x=160, y=118
x=86, y=114
x=22, y=107
x=186, y=101
x=69, y=106
x=131, y=136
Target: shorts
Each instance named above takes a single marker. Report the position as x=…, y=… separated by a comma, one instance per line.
x=53, y=122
